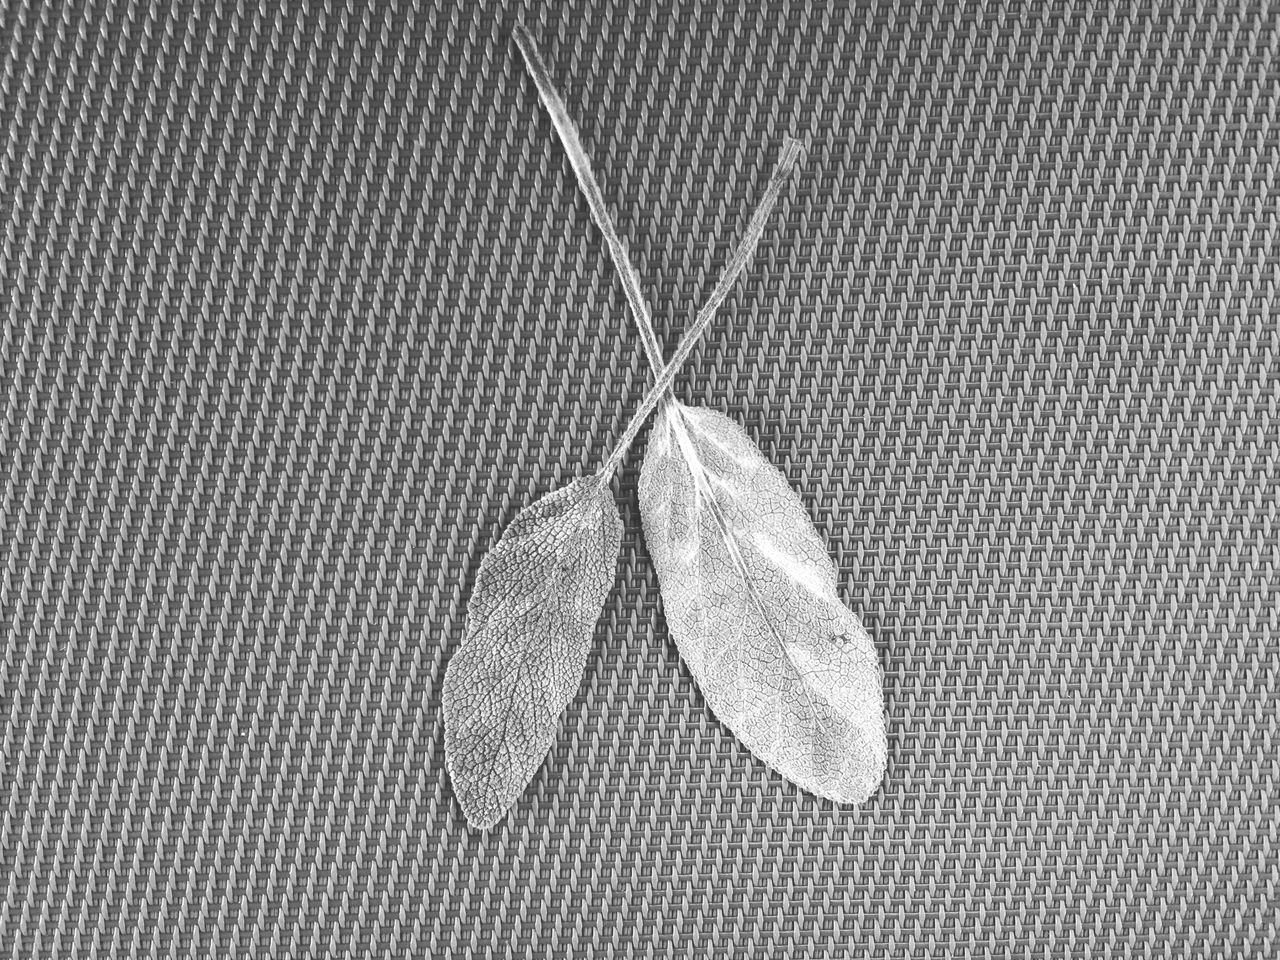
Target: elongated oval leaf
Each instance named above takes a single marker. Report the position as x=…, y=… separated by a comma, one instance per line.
x=529, y=625
x=750, y=599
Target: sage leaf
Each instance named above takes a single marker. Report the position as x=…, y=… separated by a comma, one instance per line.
x=539, y=590
x=750, y=598
x=788, y=668
x=530, y=621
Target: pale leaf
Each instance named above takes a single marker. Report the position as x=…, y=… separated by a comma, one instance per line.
x=529, y=625
x=540, y=589
x=750, y=598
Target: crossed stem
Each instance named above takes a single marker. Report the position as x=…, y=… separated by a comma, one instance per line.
x=664, y=374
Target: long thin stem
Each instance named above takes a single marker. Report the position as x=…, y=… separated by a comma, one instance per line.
x=738, y=261
x=568, y=131
x=564, y=125
x=742, y=254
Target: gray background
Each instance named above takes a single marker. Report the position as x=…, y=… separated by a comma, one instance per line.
x=300, y=309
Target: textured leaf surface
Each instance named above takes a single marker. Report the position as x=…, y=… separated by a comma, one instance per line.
x=530, y=620
x=750, y=598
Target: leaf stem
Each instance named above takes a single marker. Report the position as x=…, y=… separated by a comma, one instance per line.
x=738, y=261
x=568, y=131
x=742, y=254
x=792, y=150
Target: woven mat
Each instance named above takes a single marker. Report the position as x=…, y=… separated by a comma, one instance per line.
x=300, y=308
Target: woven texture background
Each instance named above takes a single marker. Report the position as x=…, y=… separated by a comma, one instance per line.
x=300, y=308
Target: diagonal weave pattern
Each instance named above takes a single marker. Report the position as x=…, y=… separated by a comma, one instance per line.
x=299, y=308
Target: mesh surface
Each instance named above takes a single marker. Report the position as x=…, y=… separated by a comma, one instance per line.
x=300, y=308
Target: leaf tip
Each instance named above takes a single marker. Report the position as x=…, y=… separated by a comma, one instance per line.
x=481, y=818
x=481, y=810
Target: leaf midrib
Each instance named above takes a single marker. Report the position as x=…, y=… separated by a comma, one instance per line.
x=698, y=473
x=505, y=713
